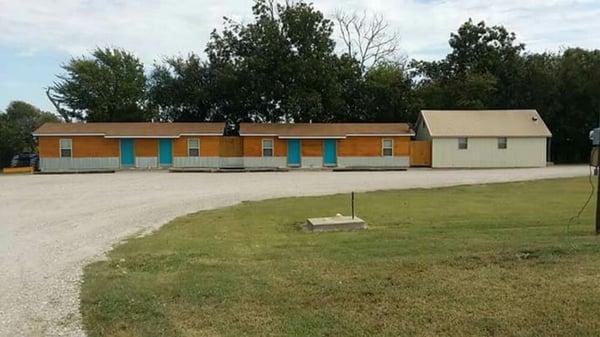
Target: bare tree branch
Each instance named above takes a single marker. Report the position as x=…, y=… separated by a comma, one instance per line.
x=56, y=100
x=368, y=38
x=62, y=112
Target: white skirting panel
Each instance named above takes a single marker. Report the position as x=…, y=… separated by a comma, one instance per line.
x=265, y=162
x=146, y=162
x=312, y=162
x=232, y=162
x=396, y=161
x=79, y=164
x=197, y=162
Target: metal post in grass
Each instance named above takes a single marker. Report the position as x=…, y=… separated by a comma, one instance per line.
x=353, y=208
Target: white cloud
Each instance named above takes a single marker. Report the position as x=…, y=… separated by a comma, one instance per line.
x=425, y=25
x=156, y=28
x=152, y=28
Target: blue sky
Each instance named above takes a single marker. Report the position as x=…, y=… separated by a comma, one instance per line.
x=36, y=37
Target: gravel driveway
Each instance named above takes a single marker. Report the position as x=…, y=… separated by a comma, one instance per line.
x=52, y=225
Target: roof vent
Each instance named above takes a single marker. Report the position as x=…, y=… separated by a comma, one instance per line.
x=534, y=118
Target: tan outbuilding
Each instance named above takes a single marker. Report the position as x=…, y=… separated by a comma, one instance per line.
x=484, y=138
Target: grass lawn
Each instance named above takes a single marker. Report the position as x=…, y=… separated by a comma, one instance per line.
x=484, y=260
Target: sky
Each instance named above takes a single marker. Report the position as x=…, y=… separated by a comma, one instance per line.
x=37, y=37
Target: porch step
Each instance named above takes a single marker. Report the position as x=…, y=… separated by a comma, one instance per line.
x=335, y=223
x=225, y=169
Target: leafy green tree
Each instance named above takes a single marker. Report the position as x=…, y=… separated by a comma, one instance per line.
x=563, y=87
x=280, y=67
x=388, y=94
x=579, y=104
x=351, y=105
x=16, y=126
x=108, y=87
x=181, y=90
x=477, y=73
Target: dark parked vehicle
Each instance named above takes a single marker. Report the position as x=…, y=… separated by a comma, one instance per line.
x=25, y=159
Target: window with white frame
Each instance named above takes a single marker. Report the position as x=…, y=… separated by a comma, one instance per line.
x=463, y=143
x=502, y=143
x=193, y=147
x=66, y=148
x=267, y=147
x=388, y=148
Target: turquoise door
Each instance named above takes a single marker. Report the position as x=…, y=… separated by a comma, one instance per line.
x=165, y=156
x=293, y=152
x=329, y=152
x=127, y=157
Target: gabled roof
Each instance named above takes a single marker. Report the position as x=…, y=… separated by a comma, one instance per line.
x=325, y=130
x=485, y=123
x=130, y=130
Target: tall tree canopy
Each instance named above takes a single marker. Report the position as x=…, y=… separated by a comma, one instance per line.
x=565, y=89
x=16, y=125
x=282, y=65
x=477, y=73
x=109, y=86
x=181, y=90
x=388, y=94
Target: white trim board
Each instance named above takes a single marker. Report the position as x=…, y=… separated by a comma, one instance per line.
x=381, y=134
x=333, y=137
x=65, y=134
x=311, y=137
x=111, y=137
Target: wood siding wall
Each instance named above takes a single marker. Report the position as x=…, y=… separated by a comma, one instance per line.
x=311, y=147
x=420, y=153
x=371, y=146
x=253, y=146
x=215, y=146
x=209, y=146
x=145, y=147
x=83, y=146
x=349, y=147
x=231, y=147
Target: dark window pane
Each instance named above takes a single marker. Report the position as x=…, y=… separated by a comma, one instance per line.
x=193, y=153
x=267, y=152
x=502, y=143
x=65, y=153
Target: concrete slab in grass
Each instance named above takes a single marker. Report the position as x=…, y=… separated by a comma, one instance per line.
x=335, y=223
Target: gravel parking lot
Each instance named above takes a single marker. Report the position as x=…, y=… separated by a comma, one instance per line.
x=52, y=225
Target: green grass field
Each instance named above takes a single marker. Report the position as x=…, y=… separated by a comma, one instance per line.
x=484, y=260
